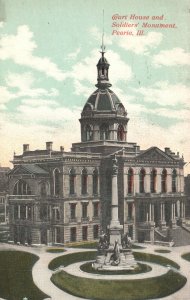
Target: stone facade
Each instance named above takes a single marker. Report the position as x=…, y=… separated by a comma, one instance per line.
x=60, y=197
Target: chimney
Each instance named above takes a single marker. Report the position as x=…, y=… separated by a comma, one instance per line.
x=49, y=146
x=61, y=148
x=167, y=150
x=25, y=147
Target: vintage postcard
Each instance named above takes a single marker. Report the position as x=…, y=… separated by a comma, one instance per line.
x=94, y=152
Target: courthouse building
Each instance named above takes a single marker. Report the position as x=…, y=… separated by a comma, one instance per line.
x=59, y=197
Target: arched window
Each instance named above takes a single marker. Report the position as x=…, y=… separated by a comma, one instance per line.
x=56, y=182
x=120, y=133
x=130, y=181
x=142, y=180
x=72, y=176
x=174, y=179
x=104, y=132
x=95, y=181
x=153, y=175
x=164, y=181
x=44, y=188
x=21, y=188
x=88, y=133
x=84, y=178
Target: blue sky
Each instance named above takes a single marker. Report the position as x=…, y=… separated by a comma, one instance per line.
x=48, y=55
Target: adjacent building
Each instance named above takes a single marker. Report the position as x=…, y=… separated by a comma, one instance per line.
x=58, y=197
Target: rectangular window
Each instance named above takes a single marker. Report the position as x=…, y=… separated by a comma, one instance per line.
x=84, y=210
x=85, y=233
x=96, y=209
x=73, y=234
x=73, y=210
x=96, y=231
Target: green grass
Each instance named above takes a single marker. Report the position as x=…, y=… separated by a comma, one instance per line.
x=84, y=245
x=141, y=268
x=55, y=250
x=157, y=259
x=141, y=289
x=16, y=277
x=68, y=259
x=93, y=245
x=186, y=256
x=162, y=251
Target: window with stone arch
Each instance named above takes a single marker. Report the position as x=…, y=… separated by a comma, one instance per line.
x=142, y=180
x=84, y=181
x=95, y=182
x=130, y=181
x=56, y=180
x=72, y=178
x=164, y=181
x=104, y=132
x=89, y=133
x=21, y=188
x=174, y=181
x=153, y=176
x=120, y=133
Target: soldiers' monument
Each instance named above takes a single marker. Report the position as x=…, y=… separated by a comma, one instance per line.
x=114, y=248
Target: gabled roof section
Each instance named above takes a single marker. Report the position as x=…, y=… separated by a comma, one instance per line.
x=155, y=154
x=28, y=169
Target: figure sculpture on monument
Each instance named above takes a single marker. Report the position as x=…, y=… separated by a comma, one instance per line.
x=115, y=256
x=126, y=241
x=103, y=242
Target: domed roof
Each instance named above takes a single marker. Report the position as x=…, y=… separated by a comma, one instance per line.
x=101, y=100
x=102, y=60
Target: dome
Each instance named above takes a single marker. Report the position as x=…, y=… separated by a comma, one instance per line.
x=102, y=60
x=103, y=100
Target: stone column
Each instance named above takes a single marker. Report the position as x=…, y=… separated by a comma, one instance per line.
x=26, y=212
x=18, y=211
x=115, y=227
x=173, y=218
x=162, y=216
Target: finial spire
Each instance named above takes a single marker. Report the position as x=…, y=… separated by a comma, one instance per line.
x=103, y=46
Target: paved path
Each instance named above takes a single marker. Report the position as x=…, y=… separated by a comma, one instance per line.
x=41, y=273
x=74, y=269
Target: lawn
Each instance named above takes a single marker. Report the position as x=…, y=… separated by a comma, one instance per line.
x=68, y=259
x=156, y=259
x=149, y=288
x=186, y=256
x=16, y=276
x=162, y=251
x=55, y=250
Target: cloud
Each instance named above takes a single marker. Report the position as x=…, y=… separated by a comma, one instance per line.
x=6, y=95
x=20, y=48
x=39, y=102
x=164, y=93
x=140, y=44
x=24, y=83
x=44, y=113
x=73, y=55
x=173, y=57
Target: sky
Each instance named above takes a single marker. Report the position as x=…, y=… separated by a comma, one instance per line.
x=48, y=55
